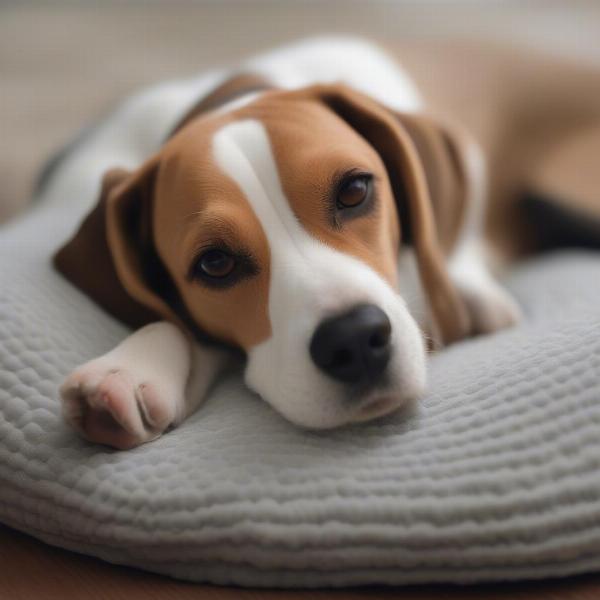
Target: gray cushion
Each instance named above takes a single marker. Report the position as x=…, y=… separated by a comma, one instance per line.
x=496, y=476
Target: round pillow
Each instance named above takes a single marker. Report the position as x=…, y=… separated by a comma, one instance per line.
x=495, y=476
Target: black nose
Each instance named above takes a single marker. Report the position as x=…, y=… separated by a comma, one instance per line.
x=353, y=347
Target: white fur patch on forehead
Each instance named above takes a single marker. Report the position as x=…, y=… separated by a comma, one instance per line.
x=309, y=281
x=299, y=261
x=243, y=151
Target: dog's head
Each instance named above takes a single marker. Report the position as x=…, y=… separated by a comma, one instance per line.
x=276, y=227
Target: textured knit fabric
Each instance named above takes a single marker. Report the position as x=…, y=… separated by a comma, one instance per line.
x=495, y=476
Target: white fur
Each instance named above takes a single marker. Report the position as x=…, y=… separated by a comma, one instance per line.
x=146, y=384
x=156, y=365
x=140, y=384
x=138, y=127
x=490, y=306
x=309, y=282
x=353, y=61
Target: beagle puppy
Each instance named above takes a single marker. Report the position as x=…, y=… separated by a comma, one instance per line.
x=306, y=210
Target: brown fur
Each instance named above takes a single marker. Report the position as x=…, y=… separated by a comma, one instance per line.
x=311, y=147
x=195, y=205
x=158, y=218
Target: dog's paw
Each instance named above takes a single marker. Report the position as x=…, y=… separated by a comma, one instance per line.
x=491, y=308
x=116, y=406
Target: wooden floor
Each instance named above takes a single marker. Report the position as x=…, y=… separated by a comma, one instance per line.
x=30, y=570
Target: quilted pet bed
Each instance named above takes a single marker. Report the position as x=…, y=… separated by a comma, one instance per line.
x=495, y=476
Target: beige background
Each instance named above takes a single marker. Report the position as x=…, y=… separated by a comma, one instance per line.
x=63, y=63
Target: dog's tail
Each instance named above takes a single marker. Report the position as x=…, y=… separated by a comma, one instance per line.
x=561, y=206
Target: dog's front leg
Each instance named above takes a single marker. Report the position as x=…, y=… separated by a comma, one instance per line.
x=151, y=381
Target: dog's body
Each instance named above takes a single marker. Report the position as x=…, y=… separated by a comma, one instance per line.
x=251, y=168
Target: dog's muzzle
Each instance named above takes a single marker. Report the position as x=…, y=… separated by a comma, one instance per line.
x=354, y=347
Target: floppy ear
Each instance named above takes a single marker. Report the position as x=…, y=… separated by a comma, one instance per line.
x=400, y=143
x=445, y=153
x=112, y=257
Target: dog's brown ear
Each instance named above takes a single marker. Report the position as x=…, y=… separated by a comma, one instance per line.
x=112, y=257
x=408, y=154
x=447, y=157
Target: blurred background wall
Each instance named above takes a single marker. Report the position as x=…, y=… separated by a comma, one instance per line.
x=63, y=63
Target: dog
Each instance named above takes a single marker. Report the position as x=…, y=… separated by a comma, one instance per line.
x=307, y=210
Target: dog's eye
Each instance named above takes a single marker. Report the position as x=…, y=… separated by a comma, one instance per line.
x=214, y=264
x=354, y=191
x=219, y=267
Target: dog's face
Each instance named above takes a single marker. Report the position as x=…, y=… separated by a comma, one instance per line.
x=278, y=225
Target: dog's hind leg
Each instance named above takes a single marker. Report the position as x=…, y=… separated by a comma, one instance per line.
x=144, y=386
x=489, y=305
